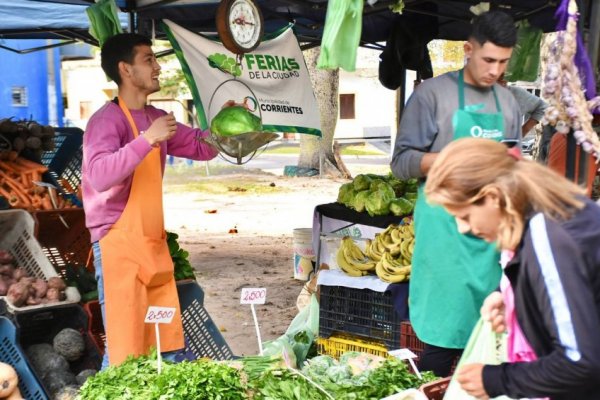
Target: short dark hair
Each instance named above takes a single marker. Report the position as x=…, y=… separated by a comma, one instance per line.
x=496, y=27
x=120, y=47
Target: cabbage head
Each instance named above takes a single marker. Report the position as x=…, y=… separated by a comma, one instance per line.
x=398, y=185
x=361, y=182
x=375, y=183
x=412, y=185
x=360, y=200
x=400, y=207
x=411, y=196
x=234, y=120
x=378, y=202
x=346, y=194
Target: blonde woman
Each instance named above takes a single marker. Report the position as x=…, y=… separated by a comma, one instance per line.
x=549, y=233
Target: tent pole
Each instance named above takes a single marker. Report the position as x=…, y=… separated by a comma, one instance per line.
x=132, y=28
x=594, y=35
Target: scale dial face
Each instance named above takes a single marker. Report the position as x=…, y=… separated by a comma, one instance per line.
x=240, y=25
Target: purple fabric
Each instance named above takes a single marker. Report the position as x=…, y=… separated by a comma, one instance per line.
x=111, y=154
x=581, y=59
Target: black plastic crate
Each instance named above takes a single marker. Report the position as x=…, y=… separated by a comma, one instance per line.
x=362, y=312
x=41, y=325
x=203, y=337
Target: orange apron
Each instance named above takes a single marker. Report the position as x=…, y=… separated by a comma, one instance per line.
x=137, y=267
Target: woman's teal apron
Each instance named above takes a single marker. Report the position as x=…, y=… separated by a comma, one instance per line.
x=452, y=273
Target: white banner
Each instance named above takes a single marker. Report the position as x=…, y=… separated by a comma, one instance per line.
x=272, y=81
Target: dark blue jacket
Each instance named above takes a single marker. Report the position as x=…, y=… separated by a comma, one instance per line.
x=555, y=275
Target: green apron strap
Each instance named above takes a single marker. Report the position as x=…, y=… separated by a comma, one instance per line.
x=461, y=92
x=497, y=101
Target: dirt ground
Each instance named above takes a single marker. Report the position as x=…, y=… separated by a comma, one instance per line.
x=259, y=255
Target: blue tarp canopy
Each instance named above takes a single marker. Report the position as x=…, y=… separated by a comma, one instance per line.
x=444, y=19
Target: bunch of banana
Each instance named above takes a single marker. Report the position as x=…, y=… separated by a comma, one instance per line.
x=398, y=240
x=351, y=259
x=391, y=270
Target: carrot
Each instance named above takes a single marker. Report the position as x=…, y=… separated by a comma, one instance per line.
x=46, y=203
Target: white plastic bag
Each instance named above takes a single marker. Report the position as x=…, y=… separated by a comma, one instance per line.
x=484, y=347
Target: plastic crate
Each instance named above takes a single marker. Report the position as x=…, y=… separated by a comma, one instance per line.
x=189, y=293
x=64, y=237
x=95, y=325
x=64, y=162
x=40, y=326
x=12, y=354
x=409, y=339
x=16, y=236
x=362, y=312
x=203, y=338
x=435, y=390
x=336, y=345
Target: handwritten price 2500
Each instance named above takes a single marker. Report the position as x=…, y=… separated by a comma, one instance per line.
x=253, y=296
x=159, y=315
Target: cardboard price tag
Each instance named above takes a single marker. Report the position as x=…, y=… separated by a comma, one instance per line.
x=402, y=354
x=253, y=296
x=160, y=315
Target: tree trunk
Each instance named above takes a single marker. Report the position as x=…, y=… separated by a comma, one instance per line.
x=325, y=85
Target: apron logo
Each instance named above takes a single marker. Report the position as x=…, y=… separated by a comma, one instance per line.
x=476, y=131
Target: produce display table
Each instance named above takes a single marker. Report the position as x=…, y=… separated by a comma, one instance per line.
x=339, y=220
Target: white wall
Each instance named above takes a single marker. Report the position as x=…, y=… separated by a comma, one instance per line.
x=375, y=106
x=87, y=89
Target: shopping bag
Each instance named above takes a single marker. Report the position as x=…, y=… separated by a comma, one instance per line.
x=524, y=63
x=104, y=20
x=485, y=347
x=299, y=336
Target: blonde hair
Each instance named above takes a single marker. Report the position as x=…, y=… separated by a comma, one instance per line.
x=468, y=169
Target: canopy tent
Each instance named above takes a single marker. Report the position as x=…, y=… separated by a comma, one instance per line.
x=449, y=19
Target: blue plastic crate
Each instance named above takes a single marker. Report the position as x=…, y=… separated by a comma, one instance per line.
x=11, y=353
x=203, y=338
x=64, y=162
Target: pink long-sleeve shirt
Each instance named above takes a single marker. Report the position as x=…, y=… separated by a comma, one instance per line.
x=111, y=154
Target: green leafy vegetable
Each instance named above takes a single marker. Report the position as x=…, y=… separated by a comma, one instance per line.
x=138, y=378
x=183, y=268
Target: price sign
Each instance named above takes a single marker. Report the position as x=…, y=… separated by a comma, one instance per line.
x=402, y=354
x=160, y=315
x=253, y=296
x=406, y=354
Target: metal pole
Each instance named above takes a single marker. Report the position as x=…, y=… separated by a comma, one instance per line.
x=594, y=36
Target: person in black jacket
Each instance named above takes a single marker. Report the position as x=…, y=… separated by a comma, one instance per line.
x=553, y=233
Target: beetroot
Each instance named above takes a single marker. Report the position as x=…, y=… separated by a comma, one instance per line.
x=7, y=269
x=53, y=295
x=3, y=287
x=6, y=257
x=19, y=273
x=18, y=293
x=57, y=283
x=40, y=287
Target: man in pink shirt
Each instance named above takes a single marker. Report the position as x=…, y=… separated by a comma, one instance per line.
x=113, y=146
